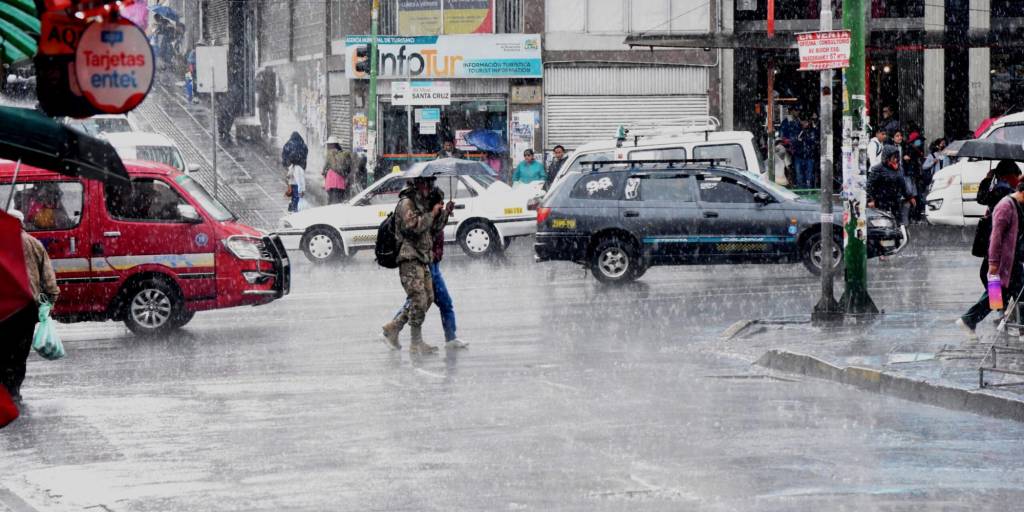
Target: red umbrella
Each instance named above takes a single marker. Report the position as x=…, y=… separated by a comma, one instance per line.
x=15, y=292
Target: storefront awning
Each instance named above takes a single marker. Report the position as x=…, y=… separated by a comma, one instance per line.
x=19, y=30
x=787, y=41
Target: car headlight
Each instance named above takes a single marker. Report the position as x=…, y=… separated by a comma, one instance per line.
x=244, y=247
x=881, y=221
x=935, y=205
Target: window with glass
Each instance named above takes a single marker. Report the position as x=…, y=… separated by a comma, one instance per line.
x=730, y=155
x=387, y=192
x=627, y=16
x=659, y=154
x=47, y=205
x=461, y=190
x=598, y=186
x=666, y=188
x=577, y=164
x=723, y=189
x=147, y=200
x=1013, y=133
x=457, y=119
x=213, y=207
x=166, y=155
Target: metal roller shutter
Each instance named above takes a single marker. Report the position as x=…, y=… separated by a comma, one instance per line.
x=575, y=120
x=217, y=19
x=341, y=119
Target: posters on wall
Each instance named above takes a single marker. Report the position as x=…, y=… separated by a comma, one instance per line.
x=434, y=17
x=522, y=128
x=359, y=133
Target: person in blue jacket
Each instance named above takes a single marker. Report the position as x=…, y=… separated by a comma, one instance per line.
x=529, y=170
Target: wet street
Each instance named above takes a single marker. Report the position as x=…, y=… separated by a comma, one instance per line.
x=572, y=396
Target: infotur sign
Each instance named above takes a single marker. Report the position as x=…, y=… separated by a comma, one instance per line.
x=454, y=56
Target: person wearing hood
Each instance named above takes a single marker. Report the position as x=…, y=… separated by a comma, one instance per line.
x=913, y=158
x=19, y=327
x=886, y=188
x=416, y=223
x=293, y=158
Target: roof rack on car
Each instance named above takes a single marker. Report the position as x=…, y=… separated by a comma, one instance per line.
x=689, y=124
x=594, y=164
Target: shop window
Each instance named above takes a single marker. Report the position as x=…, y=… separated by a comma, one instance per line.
x=146, y=200
x=47, y=205
x=457, y=119
x=897, y=8
x=757, y=10
x=1007, y=76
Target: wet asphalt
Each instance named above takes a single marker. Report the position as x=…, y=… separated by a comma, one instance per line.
x=572, y=396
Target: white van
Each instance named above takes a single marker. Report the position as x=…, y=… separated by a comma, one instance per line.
x=151, y=147
x=693, y=138
x=953, y=197
x=103, y=123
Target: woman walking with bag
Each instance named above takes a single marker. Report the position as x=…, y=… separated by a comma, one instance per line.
x=337, y=171
x=293, y=158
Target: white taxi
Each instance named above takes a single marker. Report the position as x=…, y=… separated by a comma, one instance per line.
x=488, y=215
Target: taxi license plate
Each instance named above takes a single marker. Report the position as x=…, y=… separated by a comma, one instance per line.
x=888, y=243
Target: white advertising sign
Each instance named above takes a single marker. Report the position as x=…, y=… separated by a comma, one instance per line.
x=824, y=50
x=453, y=56
x=211, y=68
x=114, y=66
x=421, y=93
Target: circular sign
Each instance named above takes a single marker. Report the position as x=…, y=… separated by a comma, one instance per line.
x=114, y=66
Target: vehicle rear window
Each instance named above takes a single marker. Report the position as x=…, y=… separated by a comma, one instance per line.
x=598, y=186
x=659, y=154
x=730, y=154
x=47, y=205
x=722, y=189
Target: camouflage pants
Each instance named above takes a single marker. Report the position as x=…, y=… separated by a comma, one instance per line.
x=419, y=287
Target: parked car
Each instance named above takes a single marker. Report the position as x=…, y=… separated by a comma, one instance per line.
x=622, y=218
x=104, y=123
x=953, y=197
x=151, y=254
x=488, y=215
x=152, y=147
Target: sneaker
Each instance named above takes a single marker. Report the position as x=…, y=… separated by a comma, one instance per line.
x=971, y=334
x=422, y=348
x=390, y=338
x=455, y=344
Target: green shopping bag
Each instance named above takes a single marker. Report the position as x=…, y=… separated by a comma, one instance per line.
x=46, y=342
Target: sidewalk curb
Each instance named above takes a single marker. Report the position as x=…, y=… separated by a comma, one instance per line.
x=877, y=381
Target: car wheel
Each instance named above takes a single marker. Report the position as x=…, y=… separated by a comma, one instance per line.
x=153, y=307
x=812, y=254
x=322, y=244
x=183, y=319
x=479, y=239
x=614, y=261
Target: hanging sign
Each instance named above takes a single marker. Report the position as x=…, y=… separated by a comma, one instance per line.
x=419, y=93
x=114, y=66
x=824, y=50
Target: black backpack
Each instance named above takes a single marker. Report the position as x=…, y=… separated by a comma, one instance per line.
x=385, y=250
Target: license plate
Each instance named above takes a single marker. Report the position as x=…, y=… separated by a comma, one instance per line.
x=888, y=243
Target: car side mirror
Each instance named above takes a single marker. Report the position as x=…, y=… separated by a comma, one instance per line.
x=190, y=168
x=189, y=214
x=763, y=198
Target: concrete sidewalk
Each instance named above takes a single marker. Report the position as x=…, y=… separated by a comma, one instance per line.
x=919, y=356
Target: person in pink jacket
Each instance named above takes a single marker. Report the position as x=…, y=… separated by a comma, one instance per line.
x=1003, y=258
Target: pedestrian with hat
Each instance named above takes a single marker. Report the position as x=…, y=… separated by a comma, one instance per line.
x=337, y=171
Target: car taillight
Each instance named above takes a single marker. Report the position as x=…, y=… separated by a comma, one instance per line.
x=542, y=214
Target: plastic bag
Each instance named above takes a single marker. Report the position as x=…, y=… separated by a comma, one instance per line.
x=46, y=342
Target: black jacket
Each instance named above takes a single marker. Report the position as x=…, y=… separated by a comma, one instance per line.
x=887, y=189
x=294, y=151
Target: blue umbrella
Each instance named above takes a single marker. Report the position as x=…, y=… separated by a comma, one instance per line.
x=487, y=140
x=165, y=12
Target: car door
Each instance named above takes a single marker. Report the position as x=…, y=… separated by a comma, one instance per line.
x=459, y=189
x=141, y=229
x=55, y=215
x=660, y=209
x=360, y=226
x=735, y=225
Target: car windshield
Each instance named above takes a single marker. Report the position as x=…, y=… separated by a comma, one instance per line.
x=168, y=155
x=207, y=202
x=1013, y=133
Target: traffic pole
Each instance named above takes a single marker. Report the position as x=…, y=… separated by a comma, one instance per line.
x=855, y=298
x=827, y=308
x=371, y=117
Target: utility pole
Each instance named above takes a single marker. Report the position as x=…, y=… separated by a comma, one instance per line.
x=855, y=298
x=371, y=109
x=827, y=307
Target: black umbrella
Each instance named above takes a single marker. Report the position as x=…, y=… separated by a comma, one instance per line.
x=33, y=139
x=953, y=148
x=987, y=150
